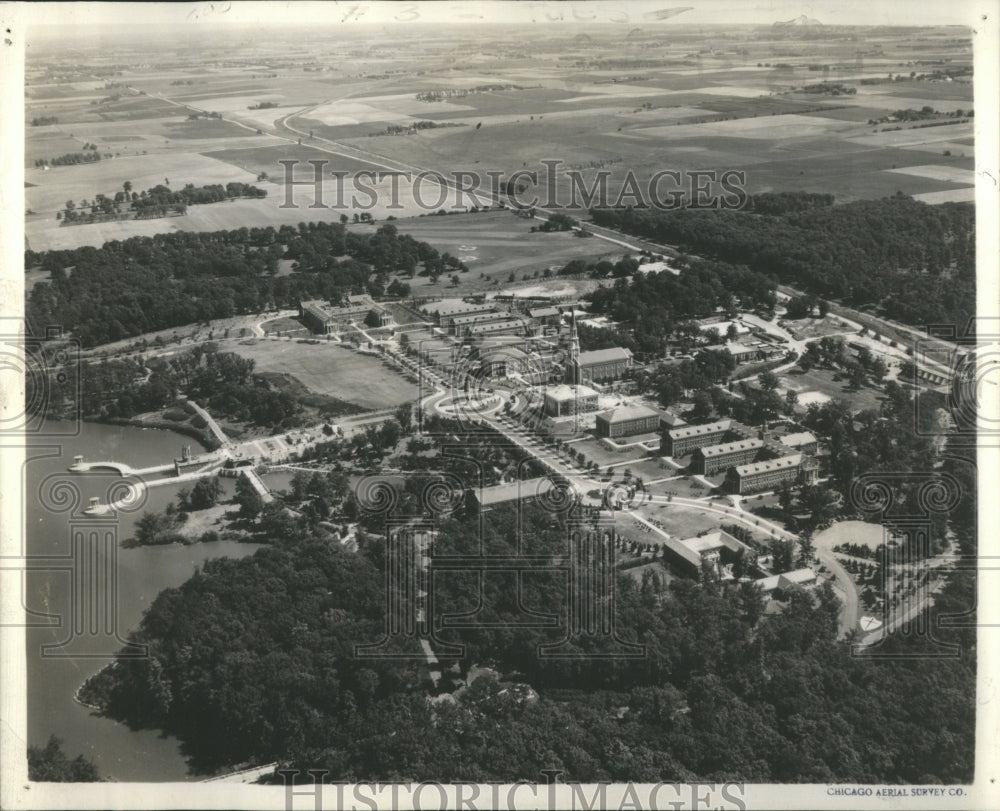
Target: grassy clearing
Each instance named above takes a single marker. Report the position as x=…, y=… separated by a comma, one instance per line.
x=824, y=381
x=329, y=369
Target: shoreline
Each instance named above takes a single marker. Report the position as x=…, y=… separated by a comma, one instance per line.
x=76, y=693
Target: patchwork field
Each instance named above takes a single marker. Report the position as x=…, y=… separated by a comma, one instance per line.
x=682, y=106
x=327, y=368
x=265, y=159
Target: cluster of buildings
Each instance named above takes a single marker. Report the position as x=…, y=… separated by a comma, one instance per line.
x=752, y=463
x=737, y=339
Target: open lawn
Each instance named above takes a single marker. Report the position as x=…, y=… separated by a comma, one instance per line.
x=805, y=328
x=858, y=532
x=497, y=243
x=681, y=522
x=330, y=369
x=597, y=451
x=821, y=381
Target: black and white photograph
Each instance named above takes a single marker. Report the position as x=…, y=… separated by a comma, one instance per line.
x=500, y=405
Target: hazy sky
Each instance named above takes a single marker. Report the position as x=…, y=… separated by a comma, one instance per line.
x=77, y=17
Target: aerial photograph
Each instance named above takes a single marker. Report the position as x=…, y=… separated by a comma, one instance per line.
x=574, y=398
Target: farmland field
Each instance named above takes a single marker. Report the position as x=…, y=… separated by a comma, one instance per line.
x=327, y=368
x=566, y=102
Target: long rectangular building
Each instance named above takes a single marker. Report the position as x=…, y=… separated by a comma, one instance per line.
x=509, y=325
x=443, y=311
x=524, y=492
x=683, y=440
x=458, y=324
x=713, y=458
x=759, y=476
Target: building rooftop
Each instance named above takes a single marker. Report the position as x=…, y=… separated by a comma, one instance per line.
x=627, y=412
x=670, y=419
x=565, y=391
x=613, y=353
x=448, y=307
x=493, y=325
x=795, y=440
x=776, y=581
x=729, y=447
x=543, y=312
x=355, y=304
x=476, y=318
x=773, y=464
x=513, y=491
x=736, y=348
x=714, y=540
x=700, y=430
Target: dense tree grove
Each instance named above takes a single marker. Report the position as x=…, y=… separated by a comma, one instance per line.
x=254, y=660
x=142, y=284
x=650, y=308
x=223, y=382
x=49, y=764
x=914, y=261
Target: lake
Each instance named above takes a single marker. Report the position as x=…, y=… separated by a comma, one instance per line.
x=119, y=753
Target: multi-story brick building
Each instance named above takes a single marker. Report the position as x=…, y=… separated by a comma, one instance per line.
x=803, y=442
x=604, y=365
x=712, y=553
x=683, y=440
x=444, y=311
x=565, y=400
x=459, y=324
x=508, y=325
x=757, y=476
x=627, y=421
x=713, y=458
x=324, y=318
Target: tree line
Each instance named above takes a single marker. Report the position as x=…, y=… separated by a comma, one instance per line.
x=653, y=309
x=144, y=284
x=71, y=158
x=912, y=261
x=254, y=660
